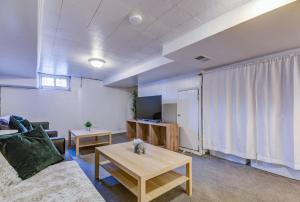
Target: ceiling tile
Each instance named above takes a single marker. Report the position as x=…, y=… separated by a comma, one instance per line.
x=109, y=16
x=157, y=8
x=157, y=30
x=76, y=15
x=175, y=17
x=51, y=14
x=208, y=9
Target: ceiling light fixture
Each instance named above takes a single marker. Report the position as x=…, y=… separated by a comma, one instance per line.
x=96, y=62
x=135, y=19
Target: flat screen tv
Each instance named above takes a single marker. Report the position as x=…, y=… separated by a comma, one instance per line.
x=149, y=108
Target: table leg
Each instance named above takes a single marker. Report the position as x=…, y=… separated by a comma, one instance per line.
x=109, y=138
x=70, y=140
x=141, y=190
x=77, y=146
x=97, y=162
x=189, y=188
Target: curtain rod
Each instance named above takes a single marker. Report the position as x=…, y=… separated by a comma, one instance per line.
x=249, y=61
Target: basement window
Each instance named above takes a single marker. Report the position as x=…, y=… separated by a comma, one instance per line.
x=48, y=81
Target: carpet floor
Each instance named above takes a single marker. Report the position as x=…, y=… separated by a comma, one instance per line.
x=214, y=180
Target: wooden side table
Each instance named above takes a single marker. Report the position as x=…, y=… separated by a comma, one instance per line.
x=92, y=135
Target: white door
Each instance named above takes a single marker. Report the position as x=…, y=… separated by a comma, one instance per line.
x=188, y=118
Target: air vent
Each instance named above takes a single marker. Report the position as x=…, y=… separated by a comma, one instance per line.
x=202, y=58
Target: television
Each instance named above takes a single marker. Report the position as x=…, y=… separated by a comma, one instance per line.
x=149, y=108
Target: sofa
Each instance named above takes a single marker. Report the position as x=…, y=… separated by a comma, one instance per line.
x=63, y=182
x=59, y=142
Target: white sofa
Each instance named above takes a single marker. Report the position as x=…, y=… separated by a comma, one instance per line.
x=62, y=182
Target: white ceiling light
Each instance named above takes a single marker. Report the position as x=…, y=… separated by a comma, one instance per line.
x=96, y=62
x=135, y=19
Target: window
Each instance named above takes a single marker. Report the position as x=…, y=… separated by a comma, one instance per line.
x=48, y=81
x=54, y=82
x=61, y=83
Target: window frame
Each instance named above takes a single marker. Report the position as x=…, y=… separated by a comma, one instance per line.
x=67, y=78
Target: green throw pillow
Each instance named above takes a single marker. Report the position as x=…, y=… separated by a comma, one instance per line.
x=15, y=123
x=29, y=152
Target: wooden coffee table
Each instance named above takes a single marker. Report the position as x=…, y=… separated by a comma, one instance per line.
x=92, y=136
x=146, y=175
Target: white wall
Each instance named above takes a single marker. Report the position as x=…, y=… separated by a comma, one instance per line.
x=105, y=107
x=168, y=89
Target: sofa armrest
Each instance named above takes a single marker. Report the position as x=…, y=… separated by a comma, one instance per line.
x=52, y=133
x=45, y=125
x=60, y=144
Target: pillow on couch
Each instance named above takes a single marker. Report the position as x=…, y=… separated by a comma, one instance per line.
x=8, y=176
x=27, y=124
x=4, y=121
x=15, y=123
x=29, y=152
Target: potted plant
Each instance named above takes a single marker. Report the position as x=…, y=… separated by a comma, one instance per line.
x=88, y=125
x=134, y=98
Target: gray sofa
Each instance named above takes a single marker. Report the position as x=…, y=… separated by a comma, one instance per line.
x=62, y=182
x=59, y=142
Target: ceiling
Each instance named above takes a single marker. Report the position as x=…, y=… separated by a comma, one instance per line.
x=18, y=38
x=66, y=33
x=257, y=37
x=75, y=30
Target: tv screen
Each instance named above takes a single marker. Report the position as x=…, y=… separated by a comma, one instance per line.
x=149, y=107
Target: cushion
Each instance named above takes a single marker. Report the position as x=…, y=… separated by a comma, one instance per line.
x=4, y=120
x=29, y=152
x=27, y=124
x=8, y=176
x=15, y=123
x=19, y=118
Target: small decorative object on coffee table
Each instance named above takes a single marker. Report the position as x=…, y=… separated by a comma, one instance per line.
x=88, y=125
x=139, y=146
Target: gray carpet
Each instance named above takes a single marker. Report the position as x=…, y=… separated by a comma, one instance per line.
x=214, y=179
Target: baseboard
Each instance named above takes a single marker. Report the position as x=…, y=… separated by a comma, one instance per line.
x=199, y=153
x=118, y=131
x=228, y=157
x=276, y=169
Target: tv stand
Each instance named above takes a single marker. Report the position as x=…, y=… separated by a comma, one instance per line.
x=150, y=120
x=160, y=134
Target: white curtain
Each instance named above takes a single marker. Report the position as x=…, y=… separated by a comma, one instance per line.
x=253, y=110
x=277, y=99
x=229, y=111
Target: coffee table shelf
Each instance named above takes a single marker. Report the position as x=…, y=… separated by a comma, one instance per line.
x=92, y=143
x=154, y=187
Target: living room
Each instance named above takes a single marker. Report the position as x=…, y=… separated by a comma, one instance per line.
x=149, y=100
